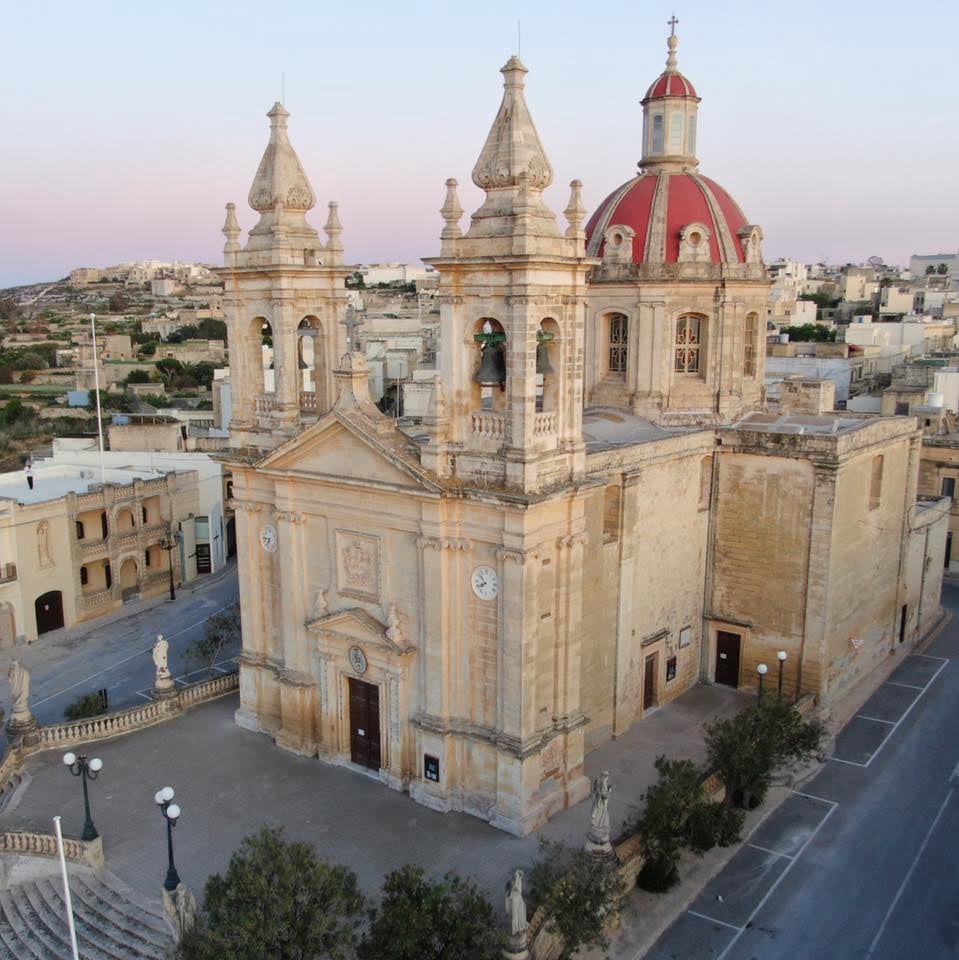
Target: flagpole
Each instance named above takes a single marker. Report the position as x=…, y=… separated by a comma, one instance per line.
x=66, y=889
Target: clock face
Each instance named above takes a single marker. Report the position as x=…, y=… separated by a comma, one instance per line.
x=358, y=660
x=485, y=583
x=268, y=538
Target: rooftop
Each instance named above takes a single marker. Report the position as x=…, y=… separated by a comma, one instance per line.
x=605, y=428
x=51, y=483
x=801, y=424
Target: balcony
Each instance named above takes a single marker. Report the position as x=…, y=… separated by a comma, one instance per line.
x=263, y=405
x=8, y=572
x=93, y=549
x=308, y=401
x=94, y=600
x=491, y=425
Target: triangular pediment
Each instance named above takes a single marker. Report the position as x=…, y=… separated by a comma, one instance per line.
x=355, y=625
x=338, y=449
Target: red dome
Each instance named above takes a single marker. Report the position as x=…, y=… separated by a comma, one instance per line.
x=689, y=198
x=670, y=84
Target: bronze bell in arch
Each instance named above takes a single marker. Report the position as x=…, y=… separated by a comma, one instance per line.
x=492, y=368
x=542, y=359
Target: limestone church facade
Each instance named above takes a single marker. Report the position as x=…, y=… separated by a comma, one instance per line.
x=598, y=512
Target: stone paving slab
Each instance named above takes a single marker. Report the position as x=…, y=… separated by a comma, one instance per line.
x=230, y=781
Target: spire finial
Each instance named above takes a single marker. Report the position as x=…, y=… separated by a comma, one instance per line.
x=575, y=213
x=451, y=212
x=333, y=229
x=672, y=42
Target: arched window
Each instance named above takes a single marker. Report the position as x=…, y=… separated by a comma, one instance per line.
x=676, y=132
x=658, y=137
x=749, y=344
x=618, y=343
x=688, y=343
x=875, y=482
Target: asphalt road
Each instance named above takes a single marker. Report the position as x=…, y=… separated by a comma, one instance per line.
x=117, y=655
x=862, y=863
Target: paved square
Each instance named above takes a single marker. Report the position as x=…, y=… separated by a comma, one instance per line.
x=742, y=884
x=791, y=825
x=230, y=781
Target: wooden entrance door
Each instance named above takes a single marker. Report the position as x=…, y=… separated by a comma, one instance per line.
x=649, y=683
x=49, y=611
x=365, y=724
x=203, y=562
x=727, y=658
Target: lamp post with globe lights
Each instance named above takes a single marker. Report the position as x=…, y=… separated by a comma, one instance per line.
x=762, y=670
x=85, y=769
x=171, y=813
x=781, y=657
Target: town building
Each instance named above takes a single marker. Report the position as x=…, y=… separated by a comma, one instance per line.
x=76, y=543
x=595, y=511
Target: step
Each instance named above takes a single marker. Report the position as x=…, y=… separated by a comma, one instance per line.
x=30, y=945
x=126, y=930
x=120, y=912
x=54, y=926
x=7, y=939
x=116, y=890
x=6, y=795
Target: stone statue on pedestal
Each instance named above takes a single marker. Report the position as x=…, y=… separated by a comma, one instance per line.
x=22, y=725
x=597, y=841
x=163, y=685
x=517, y=944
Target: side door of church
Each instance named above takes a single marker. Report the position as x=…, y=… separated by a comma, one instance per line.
x=727, y=658
x=364, y=724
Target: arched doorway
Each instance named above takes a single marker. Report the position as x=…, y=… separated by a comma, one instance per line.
x=129, y=579
x=49, y=611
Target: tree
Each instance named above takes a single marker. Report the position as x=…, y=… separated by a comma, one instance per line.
x=580, y=892
x=942, y=269
x=811, y=332
x=421, y=919
x=169, y=368
x=677, y=816
x=138, y=376
x=222, y=630
x=277, y=901
x=930, y=270
x=149, y=348
x=118, y=302
x=210, y=328
x=748, y=749
x=86, y=705
x=14, y=410
x=201, y=372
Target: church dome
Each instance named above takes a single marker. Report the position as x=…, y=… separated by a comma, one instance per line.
x=670, y=84
x=683, y=203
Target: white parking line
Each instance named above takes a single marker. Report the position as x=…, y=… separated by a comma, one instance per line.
x=862, y=716
x=851, y=763
x=908, y=876
x=777, y=881
x=896, y=683
x=722, y=923
x=926, y=656
x=775, y=853
x=809, y=796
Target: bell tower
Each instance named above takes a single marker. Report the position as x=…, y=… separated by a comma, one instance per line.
x=512, y=308
x=284, y=295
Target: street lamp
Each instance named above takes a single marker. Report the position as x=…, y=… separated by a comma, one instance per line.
x=170, y=544
x=762, y=670
x=171, y=812
x=85, y=769
x=781, y=657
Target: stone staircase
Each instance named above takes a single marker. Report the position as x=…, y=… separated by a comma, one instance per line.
x=112, y=921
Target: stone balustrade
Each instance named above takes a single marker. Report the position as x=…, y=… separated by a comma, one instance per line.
x=90, y=550
x=263, y=404
x=544, y=423
x=91, y=601
x=492, y=425
x=24, y=843
x=308, y=402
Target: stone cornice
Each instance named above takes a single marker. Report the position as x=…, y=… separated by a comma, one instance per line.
x=290, y=516
x=443, y=543
x=247, y=506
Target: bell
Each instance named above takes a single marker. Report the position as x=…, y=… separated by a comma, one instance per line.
x=542, y=359
x=492, y=369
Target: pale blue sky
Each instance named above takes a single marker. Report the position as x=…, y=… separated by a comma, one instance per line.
x=128, y=126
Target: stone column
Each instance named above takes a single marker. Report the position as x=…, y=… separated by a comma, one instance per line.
x=285, y=365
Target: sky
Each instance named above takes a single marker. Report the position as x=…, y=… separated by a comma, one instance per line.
x=126, y=127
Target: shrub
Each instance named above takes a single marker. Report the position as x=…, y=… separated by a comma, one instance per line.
x=421, y=919
x=748, y=749
x=86, y=705
x=676, y=817
x=580, y=892
x=138, y=376
x=277, y=901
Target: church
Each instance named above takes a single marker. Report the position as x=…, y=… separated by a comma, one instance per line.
x=598, y=512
